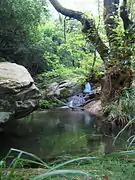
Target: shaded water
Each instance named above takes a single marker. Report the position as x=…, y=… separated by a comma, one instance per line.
x=61, y=132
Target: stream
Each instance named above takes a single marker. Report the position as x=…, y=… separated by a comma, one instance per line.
x=52, y=134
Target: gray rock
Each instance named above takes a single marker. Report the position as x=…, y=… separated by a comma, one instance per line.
x=94, y=108
x=18, y=93
x=63, y=89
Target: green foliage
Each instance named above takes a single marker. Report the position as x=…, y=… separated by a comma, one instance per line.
x=2, y=59
x=112, y=166
x=19, y=34
x=66, y=57
x=124, y=105
x=68, y=49
x=30, y=38
x=48, y=104
x=18, y=21
x=131, y=9
x=60, y=73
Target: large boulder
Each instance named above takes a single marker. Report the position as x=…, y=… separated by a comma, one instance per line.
x=94, y=108
x=18, y=93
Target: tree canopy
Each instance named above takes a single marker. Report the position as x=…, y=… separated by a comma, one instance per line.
x=18, y=30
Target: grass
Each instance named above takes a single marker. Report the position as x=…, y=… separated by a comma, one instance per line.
x=114, y=166
x=123, y=105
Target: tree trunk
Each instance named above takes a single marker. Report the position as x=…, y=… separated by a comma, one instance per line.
x=119, y=74
x=114, y=81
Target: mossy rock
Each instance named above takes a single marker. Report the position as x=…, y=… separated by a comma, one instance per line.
x=64, y=93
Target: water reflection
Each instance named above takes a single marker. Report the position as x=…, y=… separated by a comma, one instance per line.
x=59, y=132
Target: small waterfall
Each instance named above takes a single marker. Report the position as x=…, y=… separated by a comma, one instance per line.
x=87, y=88
x=76, y=101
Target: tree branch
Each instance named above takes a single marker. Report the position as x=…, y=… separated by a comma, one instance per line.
x=124, y=15
x=110, y=21
x=89, y=28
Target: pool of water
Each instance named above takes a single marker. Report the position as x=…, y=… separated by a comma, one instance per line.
x=58, y=133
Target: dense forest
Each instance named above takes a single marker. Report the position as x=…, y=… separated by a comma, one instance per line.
x=32, y=37
x=65, y=45
x=71, y=43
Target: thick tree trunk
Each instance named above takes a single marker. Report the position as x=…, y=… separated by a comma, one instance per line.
x=114, y=81
x=119, y=73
